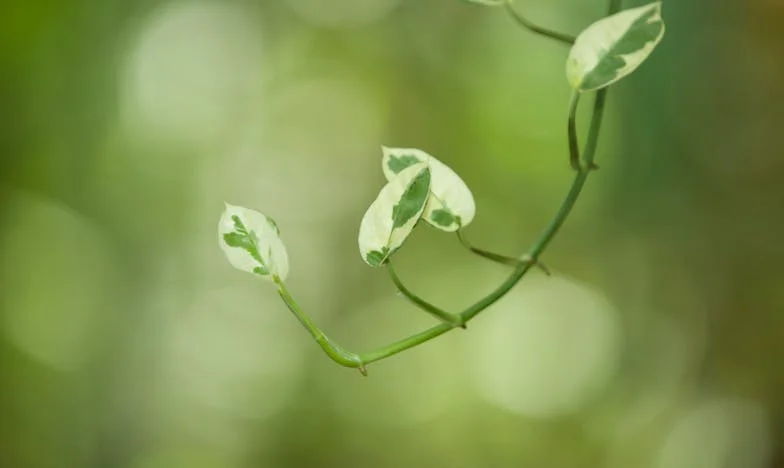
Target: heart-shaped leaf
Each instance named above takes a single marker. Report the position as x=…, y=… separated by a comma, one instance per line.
x=394, y=214
x=451, y=204
x=613, y=47
x=251, y=242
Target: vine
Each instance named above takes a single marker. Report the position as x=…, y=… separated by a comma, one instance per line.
x=422, y=188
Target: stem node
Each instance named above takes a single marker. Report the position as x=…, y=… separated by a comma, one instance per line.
x=535, y=262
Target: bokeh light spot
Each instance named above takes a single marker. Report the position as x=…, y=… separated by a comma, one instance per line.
x=719, y=433
x=192, y=71
x=56, y=282
x=342, y=13
x=234, y=351
x=547, y=348
x=313, y=136
x=412, y=388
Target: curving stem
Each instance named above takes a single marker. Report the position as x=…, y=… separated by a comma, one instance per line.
x=453, y=319
x=359, y=361
x=498, y=258
x=336, y=352
x=527, y=24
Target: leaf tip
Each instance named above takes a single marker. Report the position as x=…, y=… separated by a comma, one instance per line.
x=229, y=208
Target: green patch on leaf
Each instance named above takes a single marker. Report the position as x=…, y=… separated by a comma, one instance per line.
x=398, y=163
x=413, y=199
x=375, y=258
x=235, y=239
x=243, y=239
x=261, y=270
x=443, y=217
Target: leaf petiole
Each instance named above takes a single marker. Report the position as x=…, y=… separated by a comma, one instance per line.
x=527, y=24
x=501, y=259
x=452, y=319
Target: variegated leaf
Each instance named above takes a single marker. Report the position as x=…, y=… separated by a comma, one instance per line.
x=251, y=242
x=394, y=214
x=613, y=47
x=451, y=204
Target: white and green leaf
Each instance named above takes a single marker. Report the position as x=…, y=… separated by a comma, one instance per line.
x=394, y=214
x=613, y=47
x=251, y=242
x=451, y=203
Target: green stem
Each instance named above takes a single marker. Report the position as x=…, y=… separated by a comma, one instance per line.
x=524, y=22
x=336, y=352
x=455, y=320
x=574, y=145
x=541, y=244
x=498, y=258
x=595, y=129
x=406, y=343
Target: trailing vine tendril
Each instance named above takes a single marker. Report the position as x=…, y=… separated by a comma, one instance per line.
x=421, y=188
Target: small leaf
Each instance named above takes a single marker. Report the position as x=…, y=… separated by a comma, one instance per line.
x=251, y=242
x=613, y=47
x=394, y=214
x=451, y=204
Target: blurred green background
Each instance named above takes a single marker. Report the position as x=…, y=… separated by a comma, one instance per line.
x=127, y=340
